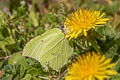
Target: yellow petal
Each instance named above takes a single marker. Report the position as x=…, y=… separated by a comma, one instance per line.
x=84, y=31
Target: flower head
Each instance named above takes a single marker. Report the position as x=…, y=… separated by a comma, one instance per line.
x=91, y=66
x=82, y=21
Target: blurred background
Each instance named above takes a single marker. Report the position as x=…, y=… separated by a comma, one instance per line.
x=38, y=10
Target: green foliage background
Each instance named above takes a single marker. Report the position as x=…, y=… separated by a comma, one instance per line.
x=23, y=20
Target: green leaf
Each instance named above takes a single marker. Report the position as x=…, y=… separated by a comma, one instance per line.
x=116, y=77
x=33, y=71
x=17, y=58
x=51, y=48
x=112, y=51
x=92, y=39
x=27, y=77
x=1, y=64
x=35, y=78
x=94, y=44
x=5, y=42
x=117, y=28
x=106, y=31
x=33, y=17
x=7, y=77
x=22, y=71
x=117, y=66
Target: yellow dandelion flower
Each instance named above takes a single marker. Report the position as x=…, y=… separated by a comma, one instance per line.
x=91, y=66
x=82, y=21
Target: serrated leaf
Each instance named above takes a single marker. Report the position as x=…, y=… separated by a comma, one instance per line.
x=50, y=47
